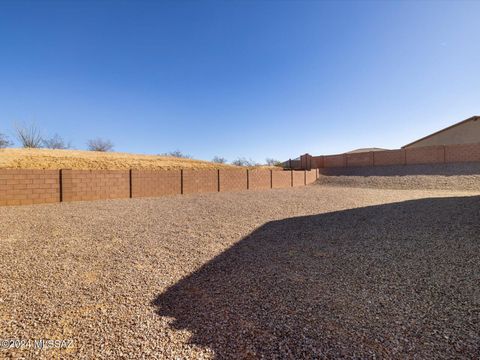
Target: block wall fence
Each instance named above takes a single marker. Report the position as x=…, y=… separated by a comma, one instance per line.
x=442, y=154
x=24, y=187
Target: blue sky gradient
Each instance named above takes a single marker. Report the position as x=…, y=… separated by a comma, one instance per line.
x=239, y=79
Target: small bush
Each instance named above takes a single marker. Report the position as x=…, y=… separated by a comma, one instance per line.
x=99, y=144
x=29, y=136
x=219, y=160
x=56, y=142
x=272, y=162
x=177, y=154
x=4, y=141
x=244, y=162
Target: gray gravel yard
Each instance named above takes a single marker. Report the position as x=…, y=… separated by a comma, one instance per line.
x=461, y=176
x=313, y=272
x=458, y=183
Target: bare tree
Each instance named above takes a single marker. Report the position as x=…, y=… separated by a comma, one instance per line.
x=177, y=154
x=219, y=160
x=56, y=142
x=241, y=161
x=272, y=162
x=29, y=136
x=4, y=141
x=99, y=144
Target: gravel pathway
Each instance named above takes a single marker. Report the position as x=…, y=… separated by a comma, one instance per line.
x=313, y=272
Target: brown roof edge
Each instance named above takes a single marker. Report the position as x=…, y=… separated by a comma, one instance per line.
x=476, y=117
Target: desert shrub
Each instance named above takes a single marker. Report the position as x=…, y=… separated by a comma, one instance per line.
x=56, y=142
x=177, y=154
x=241, y=161
x=272, y=162
x=4, y=141
x=99, y=144
x=29, y=136
x=219, y=160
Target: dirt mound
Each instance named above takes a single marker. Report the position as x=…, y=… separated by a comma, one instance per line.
x=91, y=160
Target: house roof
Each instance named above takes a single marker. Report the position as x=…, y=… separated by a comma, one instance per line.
x=362, y=150
x=476, y=117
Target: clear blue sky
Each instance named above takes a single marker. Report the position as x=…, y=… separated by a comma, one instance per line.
x=239, y=78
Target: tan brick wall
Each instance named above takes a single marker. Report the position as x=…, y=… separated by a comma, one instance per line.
x=425, y=155
x=95, y=184
x=360, y=159
x=23, y=187
x=311, y=176
x=299, y=178
x=281, y=179
x=233, y=180
x=317, y=162
x=153, y=183
x=389, y=157
x=18, y=187
x=407, y=156
x=306, y=161
x=334, y=161
x=462, y=153
x=259, y=179
x=200, y=181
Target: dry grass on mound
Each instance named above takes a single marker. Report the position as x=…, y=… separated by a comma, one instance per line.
x=90, y=160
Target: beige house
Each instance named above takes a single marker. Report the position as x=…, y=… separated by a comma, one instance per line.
x=464, y=132
x=364, y=150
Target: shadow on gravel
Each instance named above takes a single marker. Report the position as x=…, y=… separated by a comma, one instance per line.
x=397, y=280
x=401, y=170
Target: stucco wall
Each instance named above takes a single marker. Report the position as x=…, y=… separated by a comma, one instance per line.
x=466, y=133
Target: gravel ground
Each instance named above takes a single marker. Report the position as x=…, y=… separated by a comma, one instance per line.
x=464, y=176
x=405, y=182
x=313, y=272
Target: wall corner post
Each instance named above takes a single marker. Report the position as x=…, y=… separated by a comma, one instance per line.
x=130, y=182
x=60, y=184
x=181, y=181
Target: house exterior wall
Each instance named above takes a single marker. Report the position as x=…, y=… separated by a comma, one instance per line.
x=465, y=133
